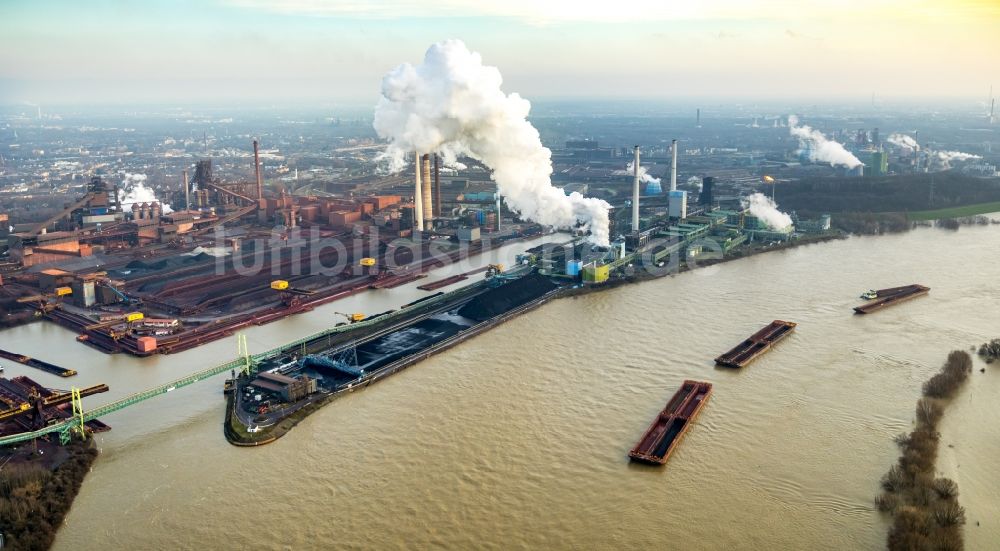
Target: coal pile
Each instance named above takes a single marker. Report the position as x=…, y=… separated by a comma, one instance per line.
x=506, y=297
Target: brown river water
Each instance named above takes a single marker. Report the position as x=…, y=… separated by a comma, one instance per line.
x=518, y=438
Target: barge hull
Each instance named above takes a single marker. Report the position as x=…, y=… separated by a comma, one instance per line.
x=665, y=433
x=758, y=343
x=889, y=297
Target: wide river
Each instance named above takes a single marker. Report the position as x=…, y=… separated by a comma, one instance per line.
x=518, y=438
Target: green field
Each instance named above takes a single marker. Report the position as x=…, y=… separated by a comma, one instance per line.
x=956, y=212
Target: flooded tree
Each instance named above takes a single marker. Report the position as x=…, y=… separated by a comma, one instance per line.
x=925, y=509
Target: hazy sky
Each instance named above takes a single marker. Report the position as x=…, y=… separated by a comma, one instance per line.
x=330, y=51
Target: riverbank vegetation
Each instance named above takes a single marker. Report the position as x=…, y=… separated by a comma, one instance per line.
x=36, y=493
x=925, y=510
x=990, y=351
x=916, y=193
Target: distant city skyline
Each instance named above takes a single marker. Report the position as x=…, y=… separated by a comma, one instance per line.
x=328, y=52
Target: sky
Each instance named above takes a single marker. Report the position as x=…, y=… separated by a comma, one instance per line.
x=323, y=52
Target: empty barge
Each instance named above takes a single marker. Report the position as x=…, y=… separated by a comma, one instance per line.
x=758, y=343
x=890, y=296
x=662, y=437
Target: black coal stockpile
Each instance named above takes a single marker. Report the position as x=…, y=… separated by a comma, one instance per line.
x=506, y=297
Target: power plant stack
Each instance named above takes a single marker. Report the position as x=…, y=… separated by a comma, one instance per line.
x=437, y=186
x=676, y=200
x=673, y=165
x=256, y=168
x=498, y=210
x=428, y=202
x=418, y=196
x=993, y=102
x=187, y=190
x=635, y=191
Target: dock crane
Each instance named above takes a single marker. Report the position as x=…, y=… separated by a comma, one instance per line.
x=289, y=295
x=43, y=300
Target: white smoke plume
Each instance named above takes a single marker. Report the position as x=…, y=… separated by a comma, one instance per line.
x=946, y=157
x=133, y=190
x=644, y=176
x=820, y=148
x=765, y=209
x=904, y=141
x=452, y=104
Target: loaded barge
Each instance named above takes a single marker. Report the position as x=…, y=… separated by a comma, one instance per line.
x=758, y=343
x=666, y=431
x=890, y=296
x=37, y=364
x=280, y=390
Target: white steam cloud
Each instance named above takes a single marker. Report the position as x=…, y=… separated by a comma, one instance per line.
x=943, y=158
x=765, y=209
x=133, y=190
x=948, y=156
x=452, y=104
x=904, y=141
x=820, y=148
x=644, y=176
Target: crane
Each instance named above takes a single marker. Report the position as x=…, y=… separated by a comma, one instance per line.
x=42, y=299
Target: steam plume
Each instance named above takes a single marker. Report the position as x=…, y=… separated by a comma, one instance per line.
x=644, y=176
x=765, y=209
x=452, y=104
x=133, y=190
x=819, y=147
x=946, y=157
x=904, y=141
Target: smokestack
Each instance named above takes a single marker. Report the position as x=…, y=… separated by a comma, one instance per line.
x=993, y=102
x=498, y=210
x=428, y=193
x=673, y=165
x=635, y=191
x=187, y=190
x=437, y=186
x=698, y=118
x=256, y=169
x=418, y=196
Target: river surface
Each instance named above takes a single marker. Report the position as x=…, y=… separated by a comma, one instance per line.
x=518, y=438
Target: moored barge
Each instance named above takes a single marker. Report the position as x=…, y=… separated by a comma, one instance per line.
x=666, y=431
x=758, y=343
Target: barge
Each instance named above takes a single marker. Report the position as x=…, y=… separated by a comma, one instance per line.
x=37, y=364
x=285, y=387
x=758, y=343
x=666, y=431
x=890, y=296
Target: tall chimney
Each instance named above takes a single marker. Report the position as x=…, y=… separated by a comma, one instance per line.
x=437, y=186
x=498, y=209
x=187, y=190
x=635, y=191
x=418, y=196
x=673, y=165
x=697, y=118
x=993, y=103
x=428, y=193
x=256, y=169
